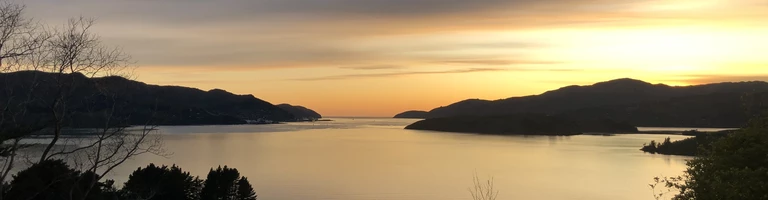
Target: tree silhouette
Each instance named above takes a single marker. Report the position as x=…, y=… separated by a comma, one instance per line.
x=245, y=190
x=733, y=167
x=45, y=180
x=55, y=180
x=48, y=88
x=161, y=183
x=221, y=184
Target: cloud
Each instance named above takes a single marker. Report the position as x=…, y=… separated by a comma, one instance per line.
x=385, y=16
x=392, y=74
x=200, y=11
x=267, y=33
x=706, y=79
x=500, y=62
x=373, y=67
x=455, y=71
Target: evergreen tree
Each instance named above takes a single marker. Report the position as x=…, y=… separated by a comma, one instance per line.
x=245, y=190
x=162, y=183
x=50, y=180
x=221, y=184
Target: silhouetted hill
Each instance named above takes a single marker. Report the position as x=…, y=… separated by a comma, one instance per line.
x=638, y=102
x=521, y=124
x=413, y=114
x=136, y=102
x=301, y=113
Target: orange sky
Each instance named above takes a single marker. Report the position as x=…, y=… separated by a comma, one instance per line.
x=381, y=57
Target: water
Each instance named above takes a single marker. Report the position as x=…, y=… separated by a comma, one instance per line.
x=683, y=129
x=376, y=159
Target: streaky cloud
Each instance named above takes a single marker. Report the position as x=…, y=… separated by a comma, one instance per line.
x=711, y=78
x=396, y=74
x=500, y=62
x=393, y=74
x=373, y=67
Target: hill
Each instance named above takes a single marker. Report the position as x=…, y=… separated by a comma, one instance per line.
x=301, y=113
x=413, y=114
x=522, y=124
x=131, y=101
x=638, y=102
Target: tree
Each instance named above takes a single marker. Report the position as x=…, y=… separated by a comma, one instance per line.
x=19, y=38
x=221, y=184
x=483, y=190
x=45, y=180
x=245, y=190
x=160, y=183
x=54, y=179
x=49, y=87
x=734, y=167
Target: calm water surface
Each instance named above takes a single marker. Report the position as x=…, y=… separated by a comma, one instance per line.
x=376, y=159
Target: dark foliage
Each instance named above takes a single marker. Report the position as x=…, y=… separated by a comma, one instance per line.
x=686, y=147
x=226, y=184
x=733, y=168
x=633, y=101
x=529, y=124
x=221, y=184
x=245, y=190
x=55, y=180
x=159, y=183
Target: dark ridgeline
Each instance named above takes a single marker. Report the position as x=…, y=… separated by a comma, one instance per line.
x=633, y=101
x=522, y=124
x=140, y=103
x=413, y=114
x=301, y=113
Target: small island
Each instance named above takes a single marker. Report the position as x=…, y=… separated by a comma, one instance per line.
x=526, y=124
x=413, y=114
x=686, y=147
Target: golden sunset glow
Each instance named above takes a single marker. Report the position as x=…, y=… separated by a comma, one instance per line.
x=378, y=57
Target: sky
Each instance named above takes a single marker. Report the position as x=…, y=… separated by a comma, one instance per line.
x=382, y=57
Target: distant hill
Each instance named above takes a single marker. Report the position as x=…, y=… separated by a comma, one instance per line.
x=301, y=113
x=413, y=114
x=137, y=102
x=522, y=124
x=638, y=102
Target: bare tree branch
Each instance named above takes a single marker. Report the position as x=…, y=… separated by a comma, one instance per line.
x=72, y=56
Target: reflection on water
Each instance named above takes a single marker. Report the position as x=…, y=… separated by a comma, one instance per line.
x=361, y=159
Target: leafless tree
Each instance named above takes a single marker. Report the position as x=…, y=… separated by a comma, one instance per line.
x=19, y=39
x=483, y=190
x=75, y=51
x=72, y=57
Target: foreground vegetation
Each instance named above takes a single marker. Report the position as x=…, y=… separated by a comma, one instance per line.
x=55, y=180
x=685, y=147
x=733, y=167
